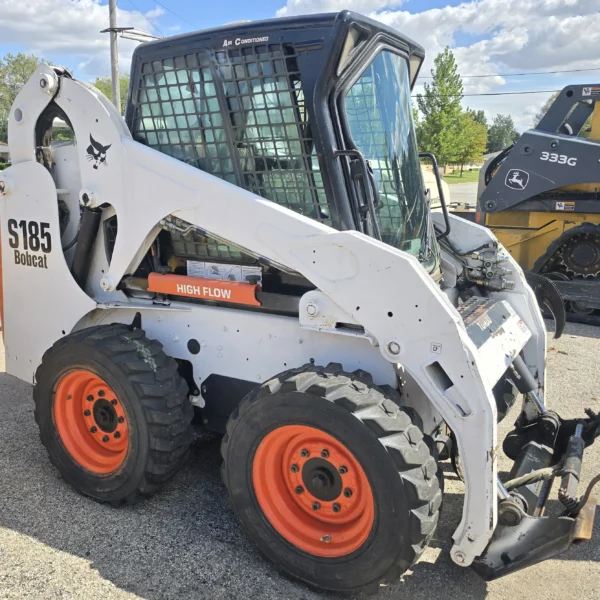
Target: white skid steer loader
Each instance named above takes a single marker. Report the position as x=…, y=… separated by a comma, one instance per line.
x=252, y=252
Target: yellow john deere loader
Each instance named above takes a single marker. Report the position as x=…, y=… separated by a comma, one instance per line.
x=541, y=198
x=253, y=246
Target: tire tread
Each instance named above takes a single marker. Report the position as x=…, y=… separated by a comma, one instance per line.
x=378, y=409
x=162, y=393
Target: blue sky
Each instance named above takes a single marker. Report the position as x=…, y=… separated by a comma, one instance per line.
x=487, y=36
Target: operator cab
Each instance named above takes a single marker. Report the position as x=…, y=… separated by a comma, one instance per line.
x=312, y=113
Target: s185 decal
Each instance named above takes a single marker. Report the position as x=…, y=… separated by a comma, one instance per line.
x=28, y=238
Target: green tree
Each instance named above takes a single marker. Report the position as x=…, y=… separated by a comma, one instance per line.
x=501, y=133
x=440, y=107
x=15, y=70
x=472, y=139
x=479, y=117
x=104, y=84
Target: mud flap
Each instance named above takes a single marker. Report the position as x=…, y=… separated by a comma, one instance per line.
x=549, y=299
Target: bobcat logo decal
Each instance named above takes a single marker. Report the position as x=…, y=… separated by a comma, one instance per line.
x=96, y=152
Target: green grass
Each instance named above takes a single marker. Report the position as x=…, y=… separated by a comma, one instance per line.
x=468, y=177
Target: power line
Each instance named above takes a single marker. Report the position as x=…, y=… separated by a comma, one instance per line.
x=521, y=74
x=147, y=19
x=175, y=14
x=496, y=94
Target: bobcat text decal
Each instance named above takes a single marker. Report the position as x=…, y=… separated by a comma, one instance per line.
x=33, y=238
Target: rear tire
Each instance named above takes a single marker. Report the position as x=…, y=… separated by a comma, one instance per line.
x=295, y=414
x=113, y=413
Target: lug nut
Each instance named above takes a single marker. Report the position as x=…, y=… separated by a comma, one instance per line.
x=299, y=489
x=347, y=492
x=117, y=435
x=324, y=453
x=69, y=397
x=90, y=398
x=343, y=470
x=113, y=402
x=336, y=507
x=86, y=413
x=93, y=430
x=304, y=453
x=326, y=538
x=294, y=468
x=316, y=506
x=121, y=420
x=105, y=438
x=101, y=393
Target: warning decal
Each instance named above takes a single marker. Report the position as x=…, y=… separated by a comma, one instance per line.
x=590, y=91
x=567, y=206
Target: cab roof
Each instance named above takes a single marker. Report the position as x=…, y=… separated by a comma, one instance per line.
x=255, y=28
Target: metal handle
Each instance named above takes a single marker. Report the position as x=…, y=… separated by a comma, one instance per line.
x=438, y=180
x=356, y=154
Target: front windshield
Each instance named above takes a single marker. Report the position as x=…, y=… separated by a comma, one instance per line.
x=379, y=115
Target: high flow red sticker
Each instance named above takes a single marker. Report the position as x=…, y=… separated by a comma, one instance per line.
x=204, y=289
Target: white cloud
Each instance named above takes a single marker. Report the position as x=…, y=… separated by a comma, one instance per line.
x=521, y=35
x=302, y=7
x=69, y=31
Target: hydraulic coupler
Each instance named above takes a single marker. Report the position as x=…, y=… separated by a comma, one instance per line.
x=542, y=450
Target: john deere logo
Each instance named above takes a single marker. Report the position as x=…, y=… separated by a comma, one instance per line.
x=517, y=179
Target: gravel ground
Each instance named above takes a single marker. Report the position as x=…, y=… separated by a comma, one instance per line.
x=185, y=543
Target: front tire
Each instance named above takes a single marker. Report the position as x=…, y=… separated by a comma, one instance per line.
x=330, y=478
x=113, y=413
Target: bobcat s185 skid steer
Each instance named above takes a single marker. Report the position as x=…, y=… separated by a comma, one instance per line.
x=256, y=245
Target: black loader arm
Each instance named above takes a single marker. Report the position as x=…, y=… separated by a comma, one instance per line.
x=548, y=157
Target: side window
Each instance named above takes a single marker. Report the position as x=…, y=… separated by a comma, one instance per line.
x=252, y=130
x=272, y=134
x=179, y=114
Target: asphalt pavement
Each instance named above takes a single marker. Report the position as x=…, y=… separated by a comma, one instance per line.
x=186, y=544
x=463, y=193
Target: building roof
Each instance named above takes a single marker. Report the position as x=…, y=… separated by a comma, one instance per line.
x=3, y=144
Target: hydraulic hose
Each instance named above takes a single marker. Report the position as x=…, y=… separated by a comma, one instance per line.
x=90, y=223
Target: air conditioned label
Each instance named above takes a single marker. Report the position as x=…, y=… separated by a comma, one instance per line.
x=242, y=41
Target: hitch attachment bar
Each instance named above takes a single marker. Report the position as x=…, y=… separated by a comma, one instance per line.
x=524, y=536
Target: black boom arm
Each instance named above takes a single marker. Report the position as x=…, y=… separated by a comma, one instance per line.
x=549, y=156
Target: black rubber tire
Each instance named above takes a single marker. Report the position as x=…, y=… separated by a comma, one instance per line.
x=389, y=447
x=152, y=394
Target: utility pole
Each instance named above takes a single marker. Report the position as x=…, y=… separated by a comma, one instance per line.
x=114, y=54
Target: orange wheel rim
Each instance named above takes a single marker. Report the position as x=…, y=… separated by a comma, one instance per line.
x=313, y=491
x=91, y=422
